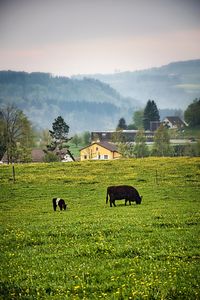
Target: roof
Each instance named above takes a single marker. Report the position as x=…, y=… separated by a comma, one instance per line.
x=109, y=146
x=175, y=120
x=37, y=155
x=106, y=145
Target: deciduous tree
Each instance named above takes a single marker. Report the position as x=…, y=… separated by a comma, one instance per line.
x=76, y=140
x=138, y=118
x=126, y=149
x=86, y=137
x=16, y=131
x=141, y=148
x=161, y=146
x=192, y=113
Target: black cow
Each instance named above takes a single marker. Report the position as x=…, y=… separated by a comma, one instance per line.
x=120, y=192
x=59, y=202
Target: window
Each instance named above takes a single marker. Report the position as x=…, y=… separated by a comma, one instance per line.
x=97, y=148
x=105, y=156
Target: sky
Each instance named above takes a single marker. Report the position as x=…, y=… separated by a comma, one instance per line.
x=70, y=37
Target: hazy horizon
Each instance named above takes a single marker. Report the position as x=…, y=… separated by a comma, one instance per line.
x=70, y=37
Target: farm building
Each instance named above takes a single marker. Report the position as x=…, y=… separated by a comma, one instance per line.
x=154, y=125
x=99, y=150
x=174, y=123
x=117, y=136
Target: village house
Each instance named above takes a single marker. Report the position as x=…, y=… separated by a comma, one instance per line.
x=174, y=122
x=38, y=155
x=99, y=150
x=65, y=155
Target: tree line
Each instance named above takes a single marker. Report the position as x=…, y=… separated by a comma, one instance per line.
x=17, y=134
x=142, y=118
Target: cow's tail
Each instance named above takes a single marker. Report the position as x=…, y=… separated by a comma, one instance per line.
x=107, y=197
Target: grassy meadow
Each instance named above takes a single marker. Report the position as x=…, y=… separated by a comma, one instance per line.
x=92, y=251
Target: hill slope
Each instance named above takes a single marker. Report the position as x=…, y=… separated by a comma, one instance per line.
x=93, y=251
x=172, y=86
x=95, y=102
x=85, y=104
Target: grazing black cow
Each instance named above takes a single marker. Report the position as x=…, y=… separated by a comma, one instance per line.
x=59, y=202
x=120, y=192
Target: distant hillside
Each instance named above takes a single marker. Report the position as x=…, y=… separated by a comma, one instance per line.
x=99, y=101
x=85, y=104
x=172, y=86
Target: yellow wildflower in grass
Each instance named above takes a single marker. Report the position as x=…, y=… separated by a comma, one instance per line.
x=76, y=287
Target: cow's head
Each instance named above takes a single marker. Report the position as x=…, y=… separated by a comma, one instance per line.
x=138, y=199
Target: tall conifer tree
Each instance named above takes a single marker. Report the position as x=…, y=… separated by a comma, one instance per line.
x=151, y=113
x=59, y=134
x=122, y=124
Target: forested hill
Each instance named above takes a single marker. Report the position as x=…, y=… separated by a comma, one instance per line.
x=99, y=101
x=172, y=86
x=85, y=104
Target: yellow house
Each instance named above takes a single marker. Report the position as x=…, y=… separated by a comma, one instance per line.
x=99, y=150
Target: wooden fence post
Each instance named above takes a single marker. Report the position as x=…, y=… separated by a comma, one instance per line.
x=156, y=177
x=13, y=172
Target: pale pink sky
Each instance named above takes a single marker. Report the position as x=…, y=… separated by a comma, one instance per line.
x=68, y=37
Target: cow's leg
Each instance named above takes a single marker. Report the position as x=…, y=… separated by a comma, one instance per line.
x=54, y=204
x=111, y=200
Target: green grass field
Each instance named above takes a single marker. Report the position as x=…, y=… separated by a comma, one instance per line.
x=92, y=251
